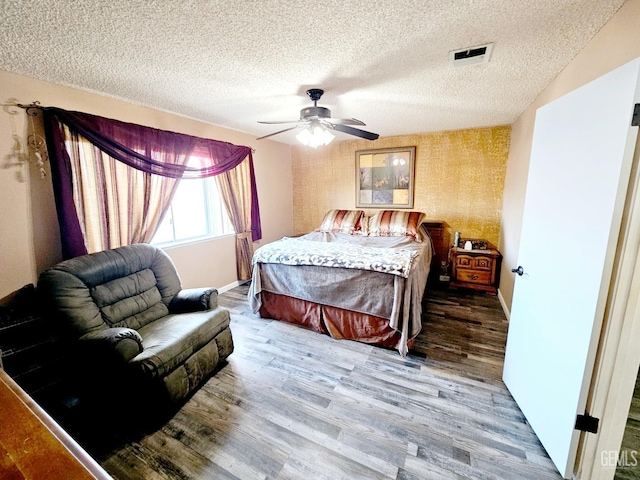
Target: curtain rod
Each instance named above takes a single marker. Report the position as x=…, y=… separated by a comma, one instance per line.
x=37, y=106
x=33, y=105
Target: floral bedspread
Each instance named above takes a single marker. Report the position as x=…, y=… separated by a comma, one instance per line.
x=296, y=251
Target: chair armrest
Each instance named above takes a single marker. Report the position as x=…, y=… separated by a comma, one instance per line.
x=194, y=300
x=120, y=344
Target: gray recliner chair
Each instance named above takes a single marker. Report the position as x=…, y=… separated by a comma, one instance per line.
x=128, y=318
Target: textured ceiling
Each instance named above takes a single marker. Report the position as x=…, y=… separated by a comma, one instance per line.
x=235, y=62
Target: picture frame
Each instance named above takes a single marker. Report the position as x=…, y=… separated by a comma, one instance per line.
x=385, y=177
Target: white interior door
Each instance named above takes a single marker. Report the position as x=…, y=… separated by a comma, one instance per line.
x=581, y=155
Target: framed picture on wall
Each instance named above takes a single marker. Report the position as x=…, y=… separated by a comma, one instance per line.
x=385, y=177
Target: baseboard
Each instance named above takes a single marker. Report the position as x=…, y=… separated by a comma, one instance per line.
x=503, y=304
x=228, y=287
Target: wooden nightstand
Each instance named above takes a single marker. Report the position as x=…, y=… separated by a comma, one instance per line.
x=475, y=269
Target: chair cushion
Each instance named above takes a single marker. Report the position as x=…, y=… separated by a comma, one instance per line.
x=131, y=301
x=170, y=340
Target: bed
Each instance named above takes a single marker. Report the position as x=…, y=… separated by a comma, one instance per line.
x=355, y=277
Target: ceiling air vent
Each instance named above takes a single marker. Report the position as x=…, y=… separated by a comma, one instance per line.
x=471, y=55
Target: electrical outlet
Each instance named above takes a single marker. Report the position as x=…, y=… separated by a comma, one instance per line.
x=445, y=278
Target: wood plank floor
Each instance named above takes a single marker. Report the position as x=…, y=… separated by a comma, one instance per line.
x=294, y=404
x=628, y=468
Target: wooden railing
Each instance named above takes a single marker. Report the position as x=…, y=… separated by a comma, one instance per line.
x=33, y=446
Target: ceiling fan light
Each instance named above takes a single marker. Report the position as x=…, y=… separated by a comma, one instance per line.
x=327, y=136
x=315, y=136
x=304, y=137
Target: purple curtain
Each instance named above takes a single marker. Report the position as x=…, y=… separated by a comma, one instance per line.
x=124, y=142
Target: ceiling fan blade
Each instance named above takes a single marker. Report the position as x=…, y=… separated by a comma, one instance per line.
x=285, y=121
x=345, y=121
x=276, y=133
x=356, y=131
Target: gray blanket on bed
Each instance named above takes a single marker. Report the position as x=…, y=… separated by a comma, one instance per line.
x=381, y=294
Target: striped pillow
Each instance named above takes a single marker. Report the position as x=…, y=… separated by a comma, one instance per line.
x=342, y=221
x=396, y=223
x=364, y=226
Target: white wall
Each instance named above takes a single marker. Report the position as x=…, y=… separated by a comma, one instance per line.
x=615, y=44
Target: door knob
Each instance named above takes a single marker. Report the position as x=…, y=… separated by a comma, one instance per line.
x=518, y=270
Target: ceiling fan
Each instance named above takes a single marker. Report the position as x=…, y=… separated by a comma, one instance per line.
x=316, y=116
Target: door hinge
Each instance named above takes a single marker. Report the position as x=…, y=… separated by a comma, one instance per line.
x=587, y=423
x=635, y=120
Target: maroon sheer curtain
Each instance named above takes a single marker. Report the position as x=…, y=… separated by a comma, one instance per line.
x=133, y=145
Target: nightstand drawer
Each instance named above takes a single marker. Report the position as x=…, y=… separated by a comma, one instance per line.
x=474, y=262
x=473, y=276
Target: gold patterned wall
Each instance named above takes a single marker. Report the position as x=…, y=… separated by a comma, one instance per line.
x=459, y=178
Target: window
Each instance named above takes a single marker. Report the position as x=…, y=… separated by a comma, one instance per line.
x=196, y=212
